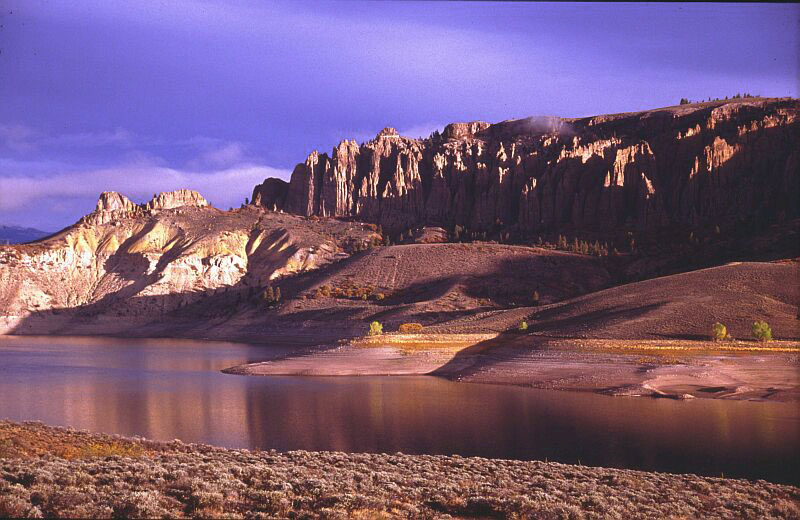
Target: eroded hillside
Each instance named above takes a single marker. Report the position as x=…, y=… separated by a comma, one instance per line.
x=151, y=259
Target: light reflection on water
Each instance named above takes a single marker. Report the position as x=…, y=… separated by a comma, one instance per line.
x=173, y=389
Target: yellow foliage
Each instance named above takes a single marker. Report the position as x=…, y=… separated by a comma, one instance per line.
x=101, y=450
x=410, y=328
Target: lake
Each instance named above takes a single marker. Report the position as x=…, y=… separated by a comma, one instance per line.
x=167, y=389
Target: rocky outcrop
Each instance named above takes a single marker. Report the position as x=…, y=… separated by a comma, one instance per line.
x=112, y=206
x=176, y=199
x=267, y=193
x=688, y=165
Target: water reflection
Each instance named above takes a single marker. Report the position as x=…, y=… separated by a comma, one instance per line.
x=168, y=389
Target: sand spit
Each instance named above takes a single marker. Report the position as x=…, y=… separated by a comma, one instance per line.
x=657, y=368
x=56, y=472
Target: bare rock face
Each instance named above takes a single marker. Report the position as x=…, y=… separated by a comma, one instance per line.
x=172, y=253
x=270, y=193
x=111, y=206
x=176, y=199
x=692, y=164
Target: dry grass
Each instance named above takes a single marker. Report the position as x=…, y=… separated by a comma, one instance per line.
x=180, y=480
x=683, y=346
x=410, y=328
x=22, y=441
x=413, y=342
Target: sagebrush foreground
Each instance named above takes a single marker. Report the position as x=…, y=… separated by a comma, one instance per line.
x=47, y=471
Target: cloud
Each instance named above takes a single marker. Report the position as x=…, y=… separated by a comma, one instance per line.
x=17, y=137
x=53, y=179
x=223, y=187
x=421, y=130
x=225, y=155
x=24, y=139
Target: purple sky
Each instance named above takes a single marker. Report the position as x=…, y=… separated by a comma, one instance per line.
x=148, y=96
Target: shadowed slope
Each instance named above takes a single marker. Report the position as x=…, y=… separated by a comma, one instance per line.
x=684, y=305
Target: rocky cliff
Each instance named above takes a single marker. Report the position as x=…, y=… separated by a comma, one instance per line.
x=694, y=164
x=127, y=259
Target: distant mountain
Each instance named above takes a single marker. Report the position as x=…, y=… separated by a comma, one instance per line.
x=19, y=235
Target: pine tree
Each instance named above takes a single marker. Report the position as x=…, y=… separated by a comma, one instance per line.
x=277, y=294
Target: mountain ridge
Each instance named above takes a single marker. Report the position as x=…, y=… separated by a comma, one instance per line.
x=20, y=234
x=685, y=165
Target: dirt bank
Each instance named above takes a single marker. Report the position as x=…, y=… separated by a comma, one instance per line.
x=55, y=472
x=659, y=368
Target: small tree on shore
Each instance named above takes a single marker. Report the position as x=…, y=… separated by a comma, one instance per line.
x=762, y=331
x=535, y=298
x=375, y=329
x=719, y=332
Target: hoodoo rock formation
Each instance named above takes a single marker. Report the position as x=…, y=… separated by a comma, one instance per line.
x=688, y=165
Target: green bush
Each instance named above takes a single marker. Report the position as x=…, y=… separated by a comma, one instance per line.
x=762, y=331
x=719, y=332
x=523, y=326
x=375, y=329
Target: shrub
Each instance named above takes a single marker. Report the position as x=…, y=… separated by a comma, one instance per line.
x=272, y=296
x=719, y=332
x=523, y=326
x=375, y=329
x=379, y=296
x=410, y=328
x=762, y=331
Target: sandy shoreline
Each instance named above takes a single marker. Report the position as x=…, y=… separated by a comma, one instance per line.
x=668, y=368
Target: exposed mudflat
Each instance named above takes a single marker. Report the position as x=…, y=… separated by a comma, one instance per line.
x=666, y=368
x=56, y=472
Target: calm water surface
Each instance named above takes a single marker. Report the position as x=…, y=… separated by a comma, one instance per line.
x=173, y=389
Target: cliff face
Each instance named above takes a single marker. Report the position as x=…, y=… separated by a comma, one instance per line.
x=692, y=164
x=126, y=259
